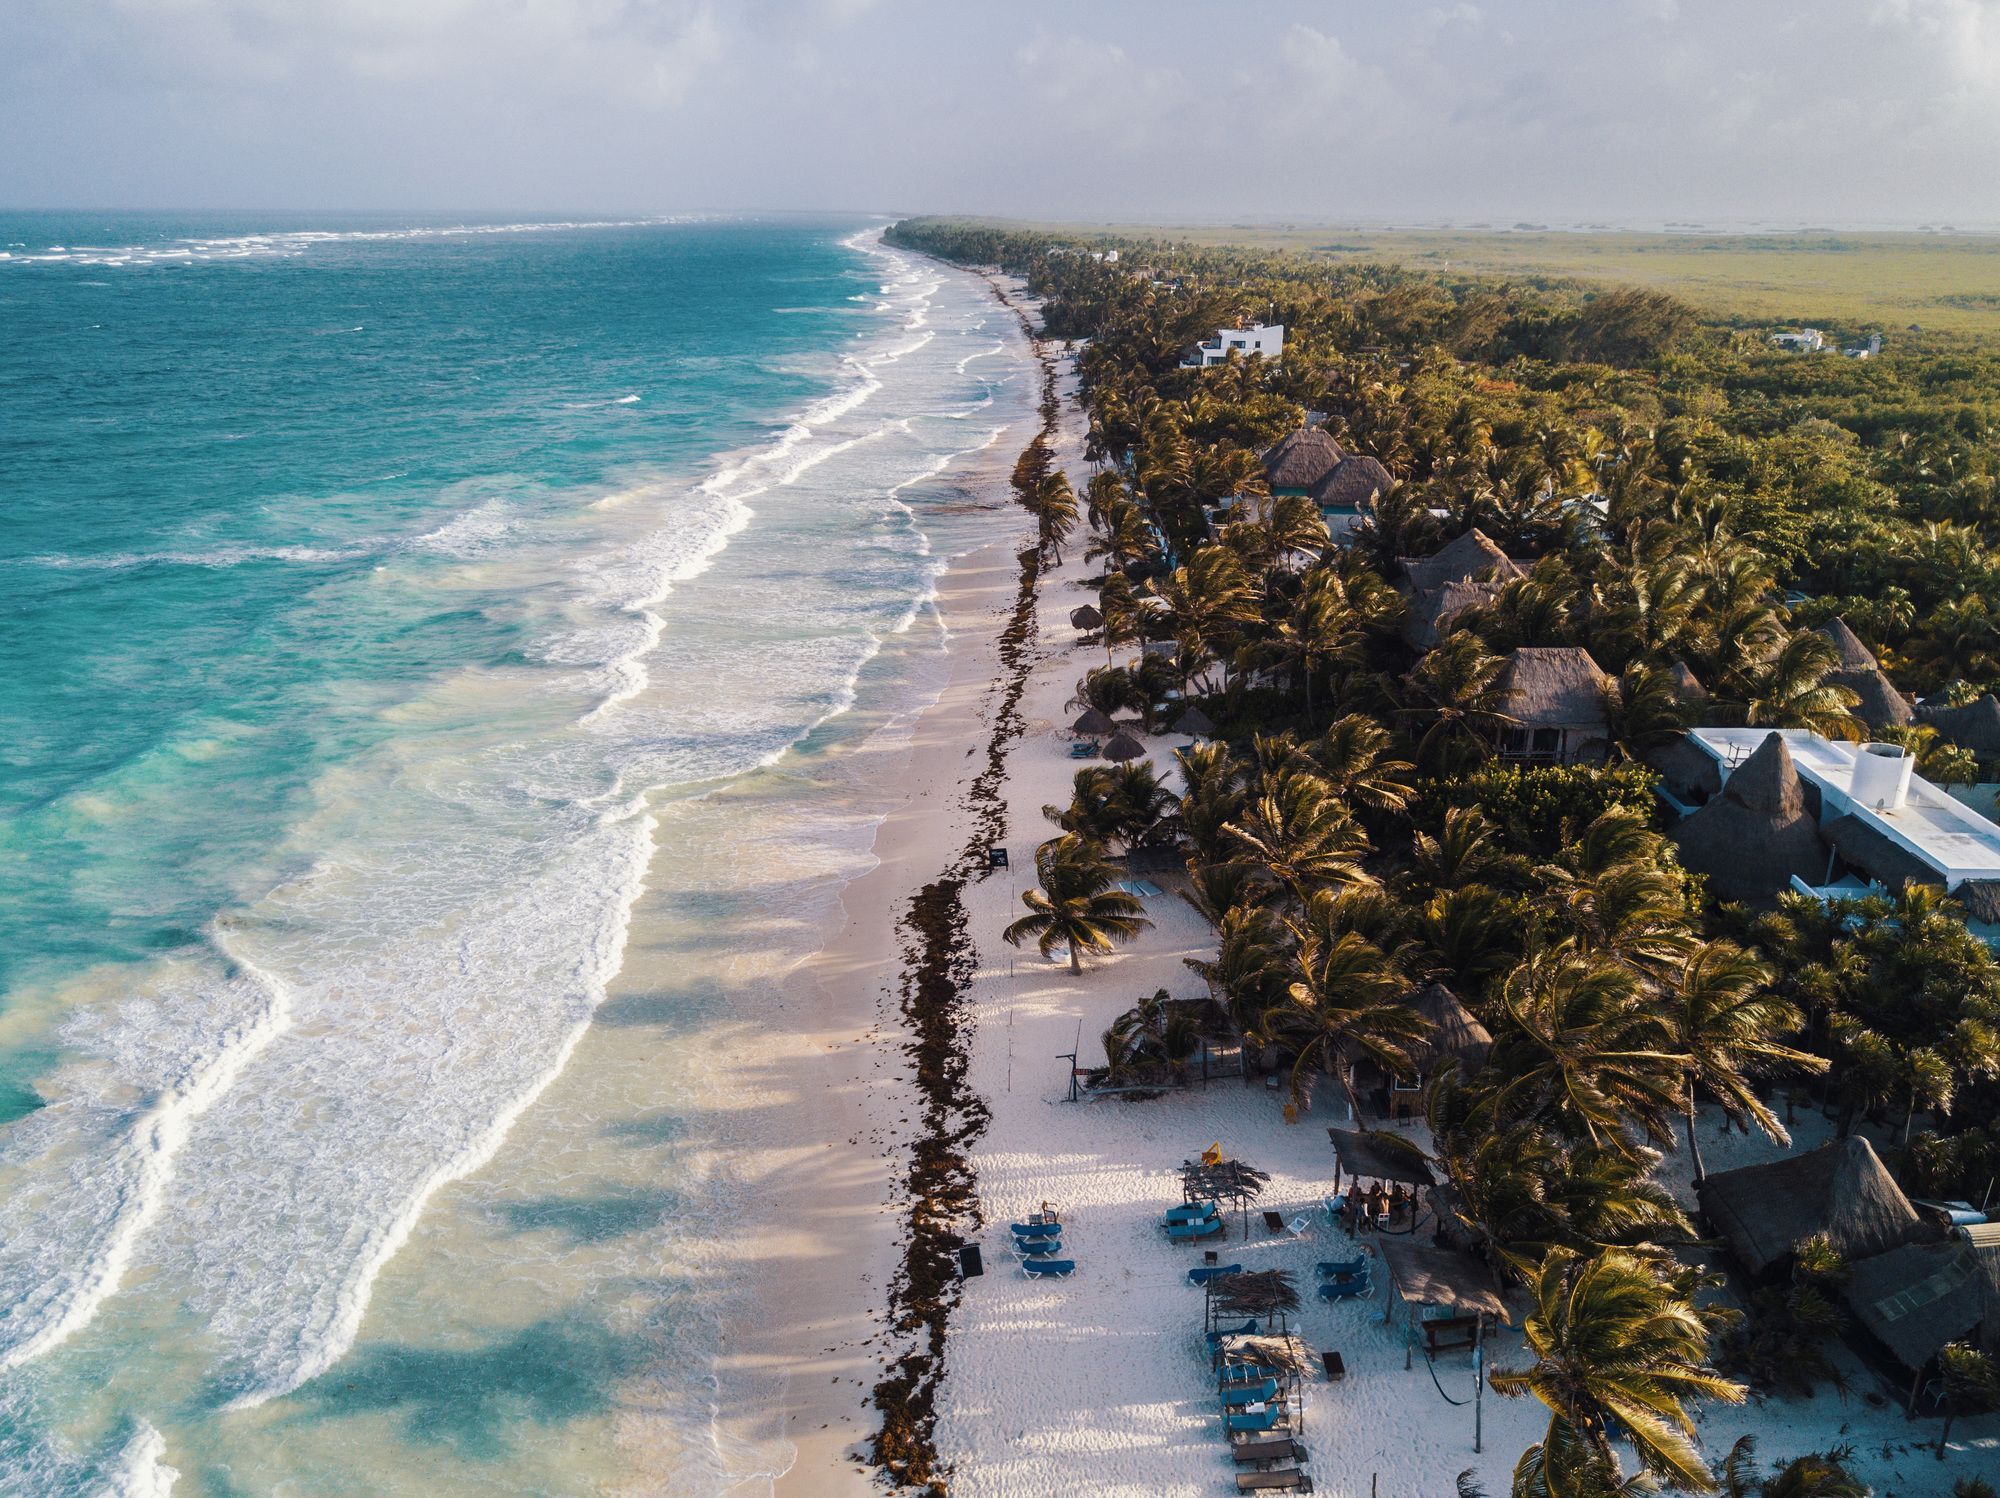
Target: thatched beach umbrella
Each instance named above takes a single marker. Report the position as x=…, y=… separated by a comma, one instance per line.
x=1227, y=1180
x=1194, y=723
x=1093, y=722
x=1086, y=617
x=1124, y=746
x=1259, y=1292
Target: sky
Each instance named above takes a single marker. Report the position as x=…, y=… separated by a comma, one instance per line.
x=1836, y=112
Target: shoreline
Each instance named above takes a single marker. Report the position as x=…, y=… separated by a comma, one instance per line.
x=855, y=1278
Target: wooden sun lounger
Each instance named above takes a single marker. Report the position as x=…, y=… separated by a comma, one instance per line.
x=1274, y=1222
x=1277, y=1480
x=1252, y=1453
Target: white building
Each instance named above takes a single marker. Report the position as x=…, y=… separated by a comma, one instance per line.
x=1874, y=810
x=1267, y=339
x=1805, y=341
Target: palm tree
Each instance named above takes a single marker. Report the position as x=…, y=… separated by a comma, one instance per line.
x=1248, y=973
x=1076, y=905
x=1584, y=1051
x=1344, y=1003
x=1618, y=1344
x=1299, y=835
x=1787, y=689
x=1353, y=758
x=1722, y=1018
x=1971, y=1385
x=1454, y=693
x=1053, y=504
x=1207, y=598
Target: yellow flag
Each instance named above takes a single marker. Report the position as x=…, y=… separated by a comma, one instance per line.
x=1213, y=1154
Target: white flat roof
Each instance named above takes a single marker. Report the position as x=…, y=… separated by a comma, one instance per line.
x=1946, y=834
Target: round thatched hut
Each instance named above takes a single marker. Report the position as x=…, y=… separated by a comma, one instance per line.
x=1758, y=832
x=1092, y=723
x=1123, y=746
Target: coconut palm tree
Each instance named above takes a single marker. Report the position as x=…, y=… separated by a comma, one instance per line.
x=1722, y=1019
x=1453, y=694
x=1583, y=1051
x=1971, y=1385
x=1344, y=1004
x=1076, y=905
x=1296, y=832
x=1053, y=504
x=1207, y=599
x=1353, y=758
x=1618, y=1344
x=1787, y=689
x=1249, y=973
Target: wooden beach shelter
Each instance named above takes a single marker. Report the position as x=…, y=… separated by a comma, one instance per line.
x=1123, y=746
x=1092, y=723
x=1267, y=1294
x=1370, y=1155
x=1229, y=1181
x=1439, y=1279
x=1841, y=1189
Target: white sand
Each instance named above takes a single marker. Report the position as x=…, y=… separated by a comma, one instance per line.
x=1100, y=1383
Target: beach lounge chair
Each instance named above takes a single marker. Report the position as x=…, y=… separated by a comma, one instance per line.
x=1083, y=749
x=1277, y=1480
x=1340, y=1268
x=1202, y=1274
x=1037, y=1230
x=1256, y=1453
x=1266, y=1419
x=1350, y=1287
x=1190, y=1232
x=1263, y=1393
x=1246, y=1373
x=1223, y=1333
x=1191, y=1212
x=1048, y=1269
x=1037, y=1248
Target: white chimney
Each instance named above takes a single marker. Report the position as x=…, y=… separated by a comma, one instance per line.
x=1882, y=776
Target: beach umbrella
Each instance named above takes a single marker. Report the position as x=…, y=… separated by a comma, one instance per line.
x=1093, y=722
x=1085, y=617
x=1194, y=723
x=1124, y=746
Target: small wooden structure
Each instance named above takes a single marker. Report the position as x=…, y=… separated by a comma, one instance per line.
x=1460, y=1286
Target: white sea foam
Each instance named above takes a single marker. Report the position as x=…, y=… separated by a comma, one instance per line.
x=141, y=1470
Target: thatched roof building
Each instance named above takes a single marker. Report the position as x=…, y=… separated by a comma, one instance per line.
x=1919, y=1296
x=1555, y=687
x=1456, y=1035
x=1976, y=726
x=1371, y=1154
x=1352, y=484
x=1472, y=555
x=1687, y=686
x=1881, y=705
x=1430, y=614
x=1872, y=852
x=1086, y=617
x=1300, y=459
x=1981, y=899
x=1091, y=721
x=1758, y=832
x=1688, y=772
x=1426, y=1276
x=1195, y=723
x=1123, y=746
x=1841, y=1189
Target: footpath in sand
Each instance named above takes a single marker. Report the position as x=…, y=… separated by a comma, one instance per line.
x=1100, y=1383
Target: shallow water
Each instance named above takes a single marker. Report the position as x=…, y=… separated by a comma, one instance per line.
x=384, y=598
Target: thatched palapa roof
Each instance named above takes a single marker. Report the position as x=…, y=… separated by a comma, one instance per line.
x=1471, y=556
x=1301, y=458
x=1878, y=855
x=1438, y=1277
x=1124, y=746
x=1976, y=726
x=1353, y=484
x=1255, y=1292
x=1753, y=837
x=1456, y=1034
x=1431, y=613
x=1086, y=617
x=1916, y=1298
x=1556, y=686
x=1688, y=772
x=1195, y=723
x=1374, y=1155
x=1981, y=899
x=1841, y=1189
x=1881, y=705
x=1687, y=686
x=1093, y=721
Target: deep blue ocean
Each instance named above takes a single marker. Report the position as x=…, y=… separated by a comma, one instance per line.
x=368, y=588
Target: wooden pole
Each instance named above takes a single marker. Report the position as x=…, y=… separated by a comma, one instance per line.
x=1478, y=1379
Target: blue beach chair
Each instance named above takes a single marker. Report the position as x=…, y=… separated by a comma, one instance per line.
x=1263, y=1393
x=1207, y=1272
x=1223, y=1333
x=1048, y=1269
x=1037, y=1248
x=1191, y=1212
x=1342, y=1268
x=1037, y=1230
x=1189, y=1232
x=1349, y=1287
x=1083, y=749
x=1268, y=1418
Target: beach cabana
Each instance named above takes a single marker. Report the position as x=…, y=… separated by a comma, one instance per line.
x=1123, y=746
x=1300, y=459
x=1092, y=723
x=1913, y=1300
x=1687, y=686
x=1462, y=1292
x=1346, y=494
x=1431, y=614
x=1752, y=837
x=1689, y=777
x=1370, y=1155
x=1194, y=723
x=1881, y=705
x=1471, y=556
x=1841, y=1190
x=1555, y=698
x=1086, y=617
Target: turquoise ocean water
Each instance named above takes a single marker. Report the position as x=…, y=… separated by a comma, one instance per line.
x=382, y=601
